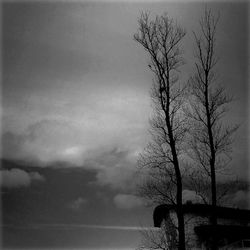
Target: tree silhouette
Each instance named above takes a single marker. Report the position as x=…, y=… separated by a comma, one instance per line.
x=211, y=139
x=161, y=39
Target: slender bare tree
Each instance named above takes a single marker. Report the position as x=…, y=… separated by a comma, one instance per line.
x=211, y=138
x=161, y=39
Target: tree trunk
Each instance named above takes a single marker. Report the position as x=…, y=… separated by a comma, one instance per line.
x=181, y=230
x=179, y=210
x=213, y=219
x=214, y=205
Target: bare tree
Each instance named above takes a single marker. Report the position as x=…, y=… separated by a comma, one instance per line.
x=211, y=139
x=161, y=39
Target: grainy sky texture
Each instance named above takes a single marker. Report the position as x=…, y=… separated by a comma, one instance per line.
x=76, y=105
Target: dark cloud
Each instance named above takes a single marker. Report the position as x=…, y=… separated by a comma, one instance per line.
x=77, y=204
x=15, y=178
x=48, y=142
x=128, y=201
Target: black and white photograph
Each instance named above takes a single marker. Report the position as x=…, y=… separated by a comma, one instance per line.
x=124, y=125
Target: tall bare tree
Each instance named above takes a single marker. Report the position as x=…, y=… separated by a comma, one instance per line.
x=161, y=39
x=211, y=138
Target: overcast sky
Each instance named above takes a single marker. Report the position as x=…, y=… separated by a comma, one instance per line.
x=76, y=105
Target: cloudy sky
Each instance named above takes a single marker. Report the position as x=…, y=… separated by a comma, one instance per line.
x=76, y=104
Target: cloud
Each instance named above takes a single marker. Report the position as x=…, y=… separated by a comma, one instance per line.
x=127, y=201
x=36, y=176
x=239, y=199
x=15, y=178
x=190, y=195
x=45, y=141
x=115, y=167
x=58, y=141
x=71, y=140
x=78, y=203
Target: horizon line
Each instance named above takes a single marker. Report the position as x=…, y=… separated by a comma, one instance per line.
x=62, y=226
